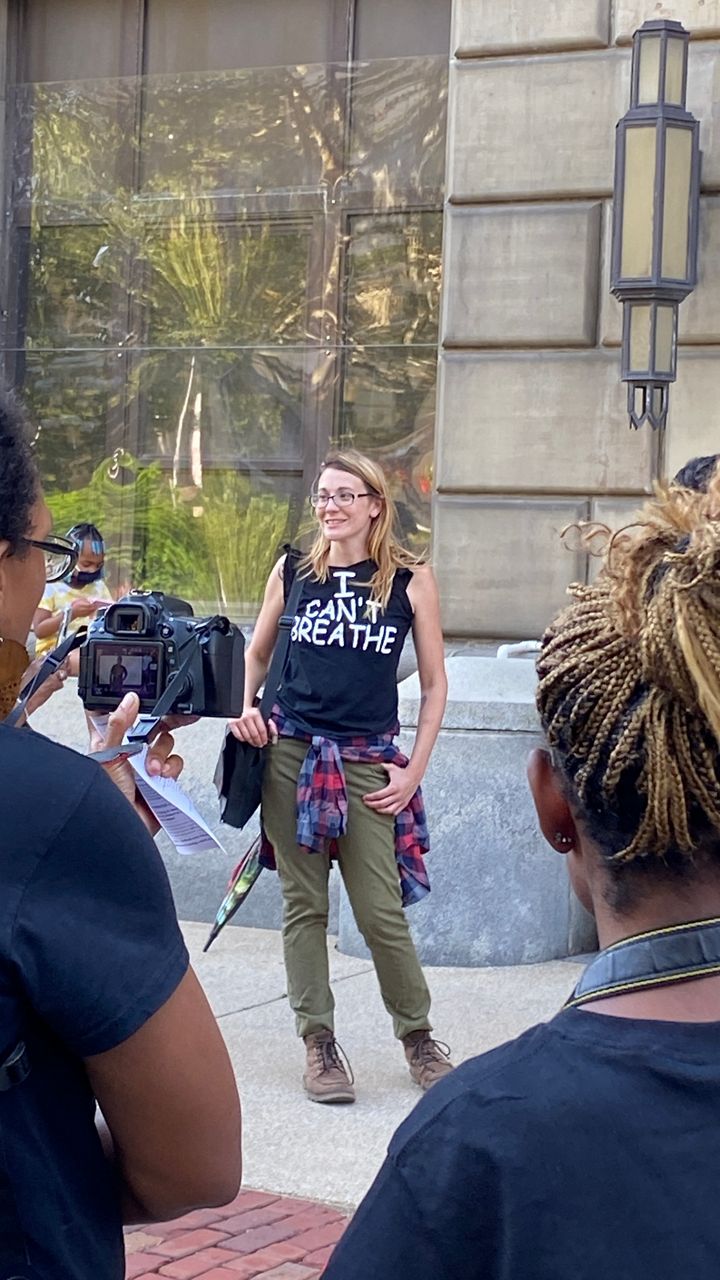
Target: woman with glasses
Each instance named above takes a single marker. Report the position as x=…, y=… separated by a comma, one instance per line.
x=335, y=784
x=97, y=1000
x=72, y=598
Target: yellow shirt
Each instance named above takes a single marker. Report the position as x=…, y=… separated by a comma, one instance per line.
x=59, y=595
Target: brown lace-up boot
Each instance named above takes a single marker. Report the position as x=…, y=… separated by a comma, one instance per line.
x=325, y=1078
x=428, y=1059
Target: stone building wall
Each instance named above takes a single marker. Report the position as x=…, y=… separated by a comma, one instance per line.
x=532, y=424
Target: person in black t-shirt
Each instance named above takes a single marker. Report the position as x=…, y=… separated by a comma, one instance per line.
x=97, y=1002
x=118, y=676
x=590, y=1146
x=335, y=784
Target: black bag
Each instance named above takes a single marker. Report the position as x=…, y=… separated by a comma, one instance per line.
x=238, y=776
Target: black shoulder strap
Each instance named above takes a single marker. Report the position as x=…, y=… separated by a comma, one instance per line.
x=289, y=572
x=282, y=644
x=48, y=668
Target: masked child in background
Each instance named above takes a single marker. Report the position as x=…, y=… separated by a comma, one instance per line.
x=73, y=603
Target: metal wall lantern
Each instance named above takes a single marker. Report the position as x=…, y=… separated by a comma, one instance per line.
x=655, y=216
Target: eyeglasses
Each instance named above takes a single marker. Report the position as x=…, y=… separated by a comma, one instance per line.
x=61, y=555
x=343, y=498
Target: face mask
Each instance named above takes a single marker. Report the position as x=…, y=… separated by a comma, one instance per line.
x=82, y=579
x=13, y=664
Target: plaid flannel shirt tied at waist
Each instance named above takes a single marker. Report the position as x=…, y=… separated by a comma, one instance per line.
x=322, y=803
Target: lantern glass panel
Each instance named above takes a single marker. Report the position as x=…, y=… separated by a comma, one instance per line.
x=638, y=207
x=675, y=71
x=664, y=339
x=649, y=70
x=676, y=203
x=638, y=319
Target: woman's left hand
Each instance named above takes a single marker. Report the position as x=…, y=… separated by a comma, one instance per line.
x=52, y=685
x=401, y=787
x=159, y=762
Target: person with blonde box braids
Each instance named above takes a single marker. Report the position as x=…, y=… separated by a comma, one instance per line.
x=335, y=784
x=589, y=1147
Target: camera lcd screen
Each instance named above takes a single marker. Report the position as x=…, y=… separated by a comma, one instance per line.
x=127, y=668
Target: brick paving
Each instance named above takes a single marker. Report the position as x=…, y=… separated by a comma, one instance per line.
x=259, y=1236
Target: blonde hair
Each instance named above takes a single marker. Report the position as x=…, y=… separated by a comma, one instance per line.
x=629, y=685
x=383, y=547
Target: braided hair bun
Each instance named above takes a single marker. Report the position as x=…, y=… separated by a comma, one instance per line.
x=629, y=684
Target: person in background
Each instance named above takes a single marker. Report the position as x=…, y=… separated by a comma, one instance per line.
x=335, y=785
x=118, y=676
x=590, y=1146
x=98, y=1004
x=71, y=604
x=697, y=473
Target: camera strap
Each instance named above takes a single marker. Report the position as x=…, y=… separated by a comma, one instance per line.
x=45, y=671
x=282, y=645
x=658, y=958
x=145, y=725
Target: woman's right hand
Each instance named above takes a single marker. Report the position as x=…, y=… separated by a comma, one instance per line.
x=250, y=727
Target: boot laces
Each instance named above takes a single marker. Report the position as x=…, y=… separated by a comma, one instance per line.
x=333, y=1057
x=428, y=1050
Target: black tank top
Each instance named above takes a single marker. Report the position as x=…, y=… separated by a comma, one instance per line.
x=340, y=677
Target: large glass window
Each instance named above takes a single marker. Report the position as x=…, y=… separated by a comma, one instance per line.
x=221, y=35
x=215, y=271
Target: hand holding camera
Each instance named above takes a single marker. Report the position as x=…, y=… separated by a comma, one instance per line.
x=161, y=760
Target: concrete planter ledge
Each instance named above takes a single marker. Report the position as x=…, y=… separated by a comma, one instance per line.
x=483, y=693
x=499, y=895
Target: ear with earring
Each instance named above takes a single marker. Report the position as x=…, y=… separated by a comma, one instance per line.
x=565, y=842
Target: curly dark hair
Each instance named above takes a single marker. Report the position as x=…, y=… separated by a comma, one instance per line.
x=697, y=472
x=19, y=483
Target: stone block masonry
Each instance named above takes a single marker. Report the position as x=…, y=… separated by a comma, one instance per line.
x=482, y=30
x=532, y=427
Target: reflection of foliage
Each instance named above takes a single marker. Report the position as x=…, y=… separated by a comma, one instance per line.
x=70, y=301
x=252, y=131
x=183, y=298
x=74, y=398
x=232, y=284
x=218, y=549
x=227, y=286
x=78, y=136
x=393, y=289
x=197, y=282
x=393, y=295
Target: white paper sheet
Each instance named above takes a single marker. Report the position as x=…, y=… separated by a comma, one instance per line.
x=175, y=811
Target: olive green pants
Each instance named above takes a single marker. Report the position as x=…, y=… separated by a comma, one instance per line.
x=369, y=871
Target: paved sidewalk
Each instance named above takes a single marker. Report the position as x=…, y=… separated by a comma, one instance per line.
x=258, y=1235
x=294, y=1147
x=318, y=1161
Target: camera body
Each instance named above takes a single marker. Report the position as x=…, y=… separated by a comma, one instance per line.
x=146, y=640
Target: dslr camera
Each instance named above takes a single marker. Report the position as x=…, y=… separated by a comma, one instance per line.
x=152, y=645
